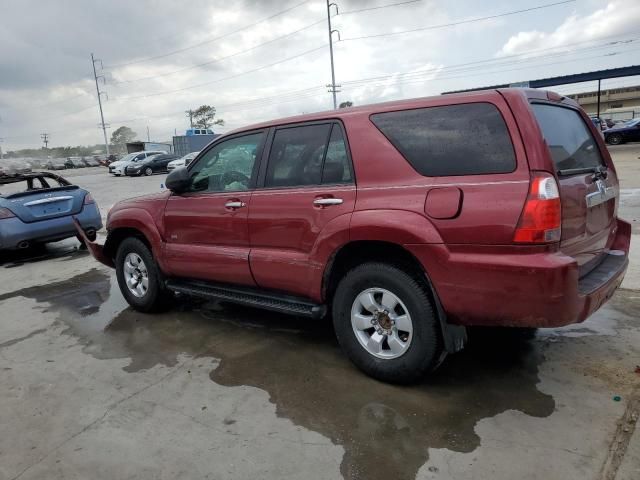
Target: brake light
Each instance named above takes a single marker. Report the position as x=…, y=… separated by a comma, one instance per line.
x=88, y=199
x=6, y=213
x=541, y=217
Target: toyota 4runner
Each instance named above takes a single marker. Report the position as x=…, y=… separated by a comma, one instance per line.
x=404, y=221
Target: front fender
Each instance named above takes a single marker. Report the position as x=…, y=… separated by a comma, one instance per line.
x=141, y=220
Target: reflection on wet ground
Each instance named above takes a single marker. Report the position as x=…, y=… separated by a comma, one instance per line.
x=385, y=430
x=69, y=248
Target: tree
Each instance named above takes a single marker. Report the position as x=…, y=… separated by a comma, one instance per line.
x=203, y=116
x=346, y=104
x=122, y=136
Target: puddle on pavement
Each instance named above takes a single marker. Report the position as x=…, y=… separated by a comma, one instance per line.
x=385, y=430
x=65, y=249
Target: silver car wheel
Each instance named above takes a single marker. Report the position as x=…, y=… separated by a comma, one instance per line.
x=148, y=171
x=381, y=323
x=136, y=275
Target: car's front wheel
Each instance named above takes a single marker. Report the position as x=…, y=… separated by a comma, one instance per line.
x=614, y=139
x=148, y=171
x=139, y=278
x=385, y=323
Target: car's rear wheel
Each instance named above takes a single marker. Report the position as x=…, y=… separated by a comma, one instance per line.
x=614, y=139
x=148, y=171
x=385, y=323
x=139, y=278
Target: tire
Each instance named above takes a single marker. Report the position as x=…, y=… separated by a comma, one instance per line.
x=421, y=347
x=150, y=298
x=148, y=171
x=614, y=139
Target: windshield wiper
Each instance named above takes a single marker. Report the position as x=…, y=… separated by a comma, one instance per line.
x=598, y=172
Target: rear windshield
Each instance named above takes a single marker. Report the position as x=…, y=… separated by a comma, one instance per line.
x=468, y=139
x=569, y=140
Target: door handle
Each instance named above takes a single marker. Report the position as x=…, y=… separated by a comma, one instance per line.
x=235, y=204
x=325, y=202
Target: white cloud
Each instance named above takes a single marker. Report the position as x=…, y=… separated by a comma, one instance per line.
x=616, y=18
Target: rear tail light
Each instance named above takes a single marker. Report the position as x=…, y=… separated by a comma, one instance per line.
x=542, y=215
x=6, y=213
x=88, y=199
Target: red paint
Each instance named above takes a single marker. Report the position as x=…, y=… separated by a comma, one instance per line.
x=443, y=203
x=460, y=229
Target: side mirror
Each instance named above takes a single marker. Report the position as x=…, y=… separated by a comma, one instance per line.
x=178, y=180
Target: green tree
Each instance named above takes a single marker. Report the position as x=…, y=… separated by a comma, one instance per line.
x=204, y=115
x=122, y=136
x=346, y=104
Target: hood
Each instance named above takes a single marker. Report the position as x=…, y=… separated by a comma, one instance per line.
x=153, y=203
x=176, y=163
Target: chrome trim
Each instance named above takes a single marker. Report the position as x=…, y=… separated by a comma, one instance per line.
x=48, y=200
x=323, y=202
x=603, y=194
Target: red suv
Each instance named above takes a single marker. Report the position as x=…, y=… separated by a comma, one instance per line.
x=405, y=221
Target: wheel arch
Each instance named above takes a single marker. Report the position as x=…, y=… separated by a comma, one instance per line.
x=358, y=252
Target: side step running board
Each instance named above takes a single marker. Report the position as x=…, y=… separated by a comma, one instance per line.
x=248, y=296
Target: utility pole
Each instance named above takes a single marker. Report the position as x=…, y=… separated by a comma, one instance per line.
x=148, y=137
x=333, y=88
x=95, y=77
x=45, y=139
x=1, y=140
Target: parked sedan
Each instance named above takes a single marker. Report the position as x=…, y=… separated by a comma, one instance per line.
x=625, y=132
x=55, y=164
x=155, y=164
x=183, y=161
x=38, y=208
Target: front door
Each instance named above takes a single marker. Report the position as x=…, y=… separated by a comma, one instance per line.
x=206, y=227
x=307, y=187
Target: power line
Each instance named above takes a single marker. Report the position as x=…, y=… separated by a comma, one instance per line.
x=379, y=7
x=461, y=22
x=99, y=94
x=184, y=49
x=216, y=60
x=166, y=92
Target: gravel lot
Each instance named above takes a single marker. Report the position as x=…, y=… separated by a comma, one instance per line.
x=91, y=389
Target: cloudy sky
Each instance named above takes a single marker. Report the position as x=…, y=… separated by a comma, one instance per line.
x=256, y=60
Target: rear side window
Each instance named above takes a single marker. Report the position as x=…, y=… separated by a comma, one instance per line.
x=296, y=156
x=337, y=168
x=469, y=139
x=569, y=140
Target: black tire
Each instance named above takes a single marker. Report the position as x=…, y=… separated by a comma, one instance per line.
x=424, y=351
x=148, y=171
x=614, y=139
x=156, y=298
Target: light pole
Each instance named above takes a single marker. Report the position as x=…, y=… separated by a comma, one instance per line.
x=95, y=77
x=332, y=87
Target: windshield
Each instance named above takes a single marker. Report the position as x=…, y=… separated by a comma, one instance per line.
x=632, y=123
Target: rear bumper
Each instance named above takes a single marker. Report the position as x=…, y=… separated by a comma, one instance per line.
x=14, y=231
x=96, y=250
x=523, y=290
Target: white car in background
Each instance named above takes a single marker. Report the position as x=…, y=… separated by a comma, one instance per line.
x=117, y=168
x=183, y=161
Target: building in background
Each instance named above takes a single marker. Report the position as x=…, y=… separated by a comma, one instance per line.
x=616, y=103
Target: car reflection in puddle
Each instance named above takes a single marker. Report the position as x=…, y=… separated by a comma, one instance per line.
x=386, y=430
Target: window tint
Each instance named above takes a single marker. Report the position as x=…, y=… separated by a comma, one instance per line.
x=336, y=167
x=228, y=166
x=568, y=138
x=296, y=156
x=469, y=139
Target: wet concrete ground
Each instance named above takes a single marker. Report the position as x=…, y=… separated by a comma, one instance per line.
x=91, y=389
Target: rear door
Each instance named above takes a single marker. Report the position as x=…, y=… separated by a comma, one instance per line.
x=588, y=187
x=307, y=182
